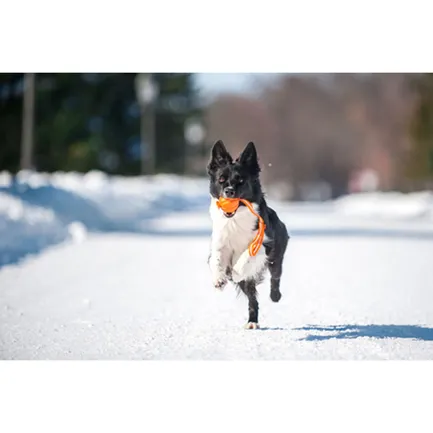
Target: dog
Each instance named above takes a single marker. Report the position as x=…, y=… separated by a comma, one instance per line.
x=229, y=260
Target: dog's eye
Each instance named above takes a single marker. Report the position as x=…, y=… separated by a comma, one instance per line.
x=240, y=180
x=222, y=179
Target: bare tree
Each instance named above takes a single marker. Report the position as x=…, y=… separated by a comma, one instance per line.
x=27, y=138
x=321, y=128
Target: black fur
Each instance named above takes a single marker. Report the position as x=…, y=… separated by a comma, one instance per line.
x=240, y=178
x=242, y=175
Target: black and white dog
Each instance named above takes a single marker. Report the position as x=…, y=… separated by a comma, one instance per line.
x=232, y=233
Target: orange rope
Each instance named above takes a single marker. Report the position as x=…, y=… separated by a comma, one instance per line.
x=230, y=205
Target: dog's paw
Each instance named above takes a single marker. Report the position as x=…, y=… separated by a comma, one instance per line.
x=252, y=325
x=219, y=283
x=275, y=295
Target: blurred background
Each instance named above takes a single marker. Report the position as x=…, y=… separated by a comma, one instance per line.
x=87, y=153
x=319, y=135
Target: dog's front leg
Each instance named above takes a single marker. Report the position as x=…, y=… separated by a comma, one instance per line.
x=218, y=262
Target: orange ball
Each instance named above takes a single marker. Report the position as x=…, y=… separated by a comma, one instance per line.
x=228, y=205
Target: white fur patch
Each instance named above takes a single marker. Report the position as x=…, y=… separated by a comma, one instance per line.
x=231, y=238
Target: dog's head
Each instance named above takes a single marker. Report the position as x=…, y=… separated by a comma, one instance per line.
x=234, y=178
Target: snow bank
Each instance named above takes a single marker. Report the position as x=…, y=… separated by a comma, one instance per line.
x=389, y=205
x=26, y=229
x=40, y=209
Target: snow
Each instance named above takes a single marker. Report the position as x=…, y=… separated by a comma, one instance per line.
x=387, y=205
x=38, y=209
x=101, y=267
x=26, y=229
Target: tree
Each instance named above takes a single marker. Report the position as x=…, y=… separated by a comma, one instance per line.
x=314, y=130
x=178, y=101
x=420, y=159
x=92, y=121
x=11, y=89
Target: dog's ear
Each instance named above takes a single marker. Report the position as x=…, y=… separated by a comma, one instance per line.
x=219, y=157
x=248, y=158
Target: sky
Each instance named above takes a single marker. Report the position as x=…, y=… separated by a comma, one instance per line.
x=212, y=84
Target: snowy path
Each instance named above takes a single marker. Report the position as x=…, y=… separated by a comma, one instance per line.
x=131, y=296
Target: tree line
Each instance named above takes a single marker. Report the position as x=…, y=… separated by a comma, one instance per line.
x=93, y=121
x=310, y=129
x=314, y=129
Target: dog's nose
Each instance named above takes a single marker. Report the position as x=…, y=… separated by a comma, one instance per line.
x=229, y=192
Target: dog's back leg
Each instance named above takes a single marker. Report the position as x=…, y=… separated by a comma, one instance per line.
x=275, y=253
x=275, y=265
x=276, y=270
x=249, y=288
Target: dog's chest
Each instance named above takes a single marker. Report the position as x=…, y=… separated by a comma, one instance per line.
x=234, y=233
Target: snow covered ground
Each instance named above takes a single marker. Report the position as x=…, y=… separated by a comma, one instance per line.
x=97, y=267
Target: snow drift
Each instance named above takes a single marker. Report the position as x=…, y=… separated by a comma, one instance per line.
x=39, y=209
x=393, y=205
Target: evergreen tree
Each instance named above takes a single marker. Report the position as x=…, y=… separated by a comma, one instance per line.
x=176, y=103
x=92, y=121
